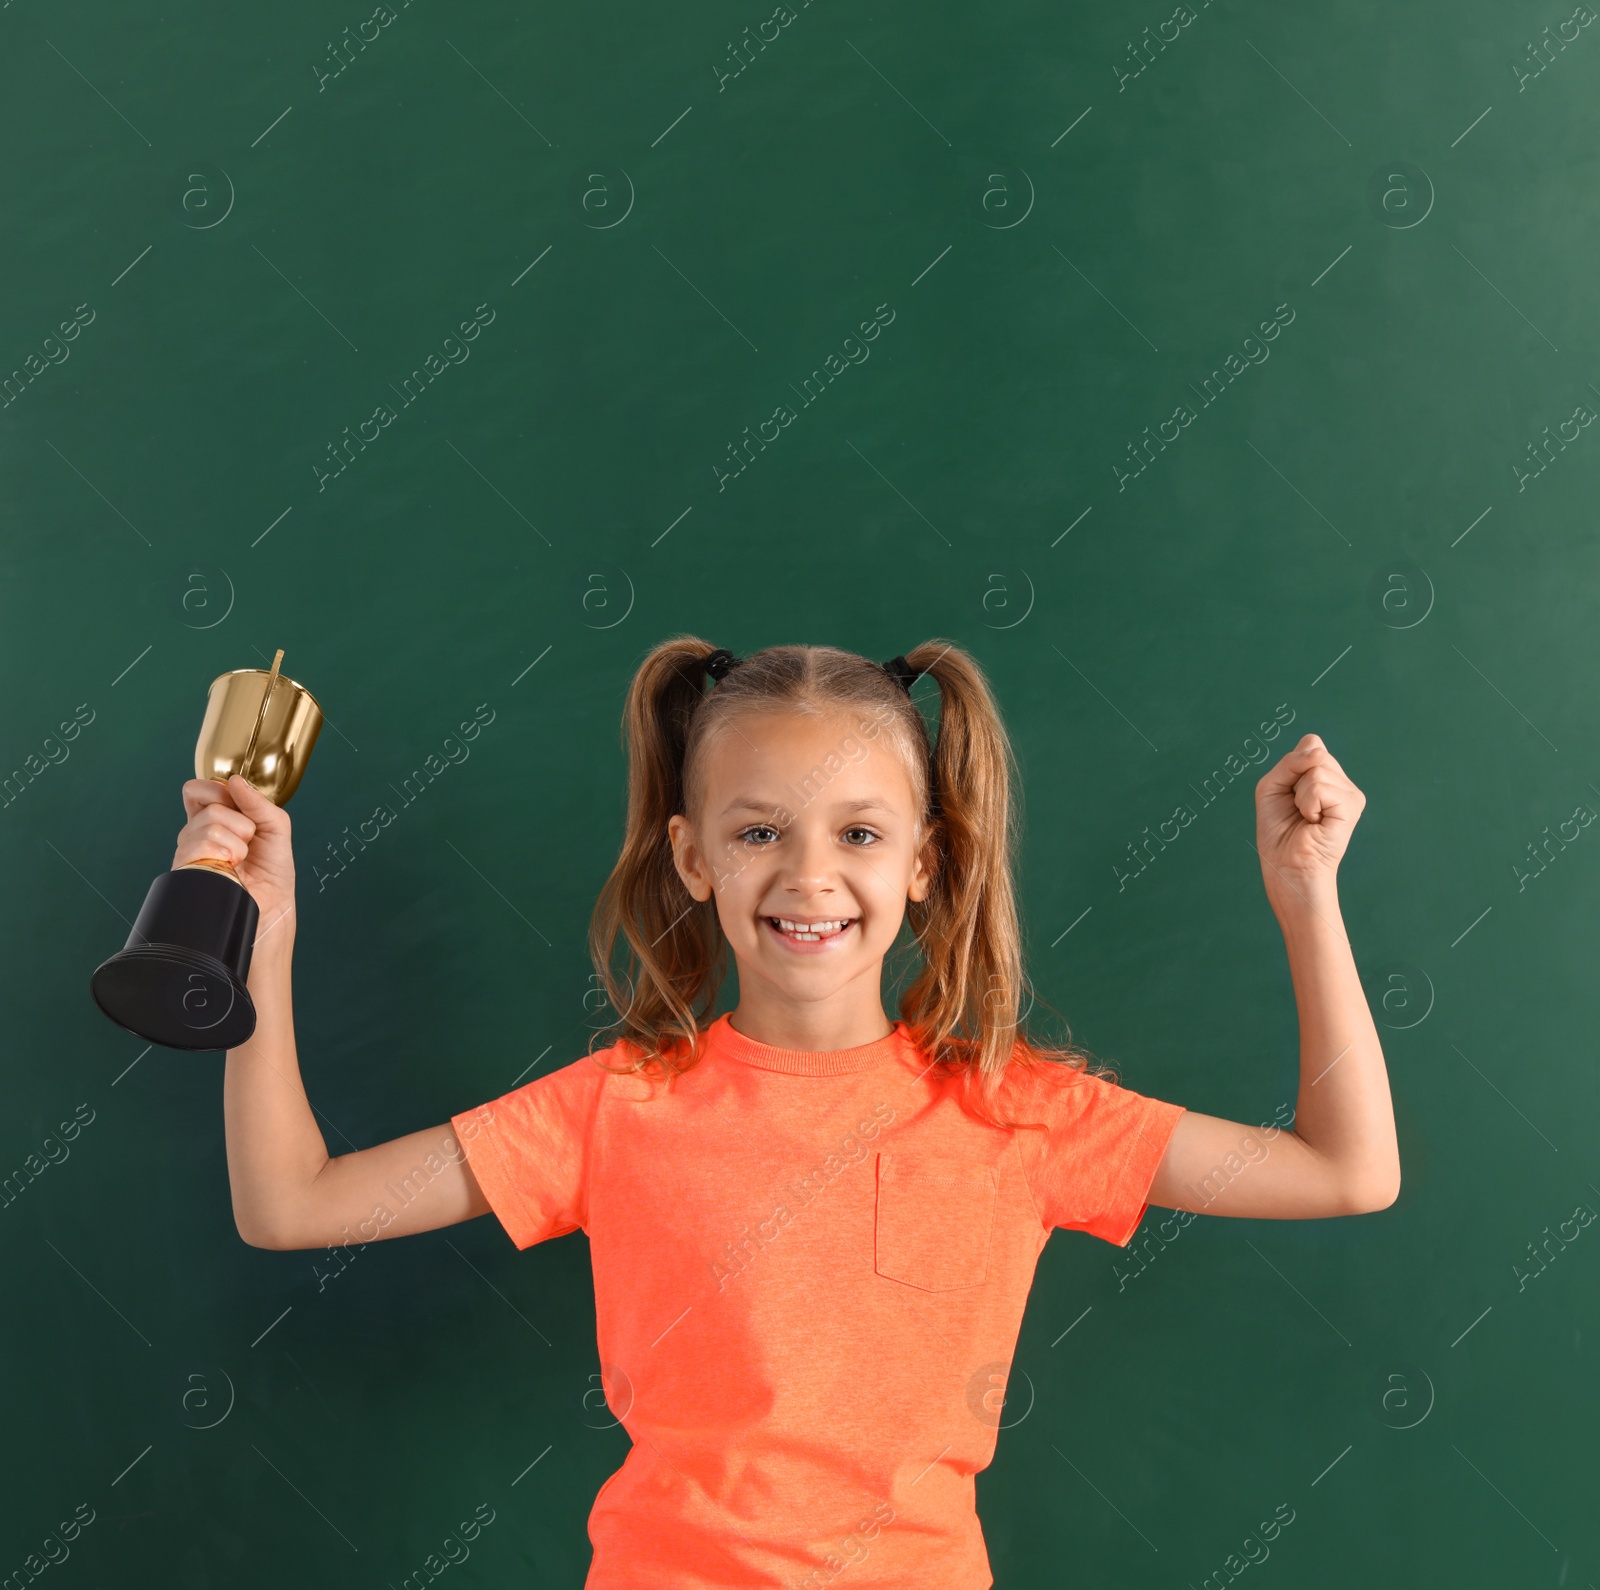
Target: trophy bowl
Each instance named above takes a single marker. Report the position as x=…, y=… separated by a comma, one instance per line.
x=180, y=981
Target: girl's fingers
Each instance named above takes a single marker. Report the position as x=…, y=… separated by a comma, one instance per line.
x=1321, y=792
x=1314, y=796
x=266, y=815
x=1294, y=765
x=1304, y=754
x=226, y=841
x=198, y=793
x=216, y=830
x=211, y=841
x=227, y=817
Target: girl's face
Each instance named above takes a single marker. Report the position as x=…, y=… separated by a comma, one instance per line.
x=806, y=834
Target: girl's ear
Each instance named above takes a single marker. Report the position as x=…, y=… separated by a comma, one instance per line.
x=687, y=859
x=922, y=871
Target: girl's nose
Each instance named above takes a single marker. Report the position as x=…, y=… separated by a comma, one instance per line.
x=810, y=872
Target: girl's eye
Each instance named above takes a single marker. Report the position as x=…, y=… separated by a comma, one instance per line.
x=859, y=836
x=760, y=834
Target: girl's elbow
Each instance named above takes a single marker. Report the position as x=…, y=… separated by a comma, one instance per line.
x=258, y=1232
x=253, y=1235
x=1369, y=1198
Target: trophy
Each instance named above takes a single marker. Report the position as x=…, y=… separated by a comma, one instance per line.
x=180, y=979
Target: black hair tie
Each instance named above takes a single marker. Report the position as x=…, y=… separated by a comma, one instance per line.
x=720, y=663
x=903, y=674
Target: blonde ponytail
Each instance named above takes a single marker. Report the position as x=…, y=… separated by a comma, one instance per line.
x=965, y=1003
x=675, y=961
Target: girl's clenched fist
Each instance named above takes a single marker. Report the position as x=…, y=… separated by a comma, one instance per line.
x=235, y=823
x=1306, y=808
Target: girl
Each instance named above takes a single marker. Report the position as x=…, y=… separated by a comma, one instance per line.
x=813, y=1229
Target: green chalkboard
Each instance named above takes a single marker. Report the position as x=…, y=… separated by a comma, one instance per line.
x=1233, y=362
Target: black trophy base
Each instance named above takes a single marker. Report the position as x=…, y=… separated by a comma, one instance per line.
x=180, y=979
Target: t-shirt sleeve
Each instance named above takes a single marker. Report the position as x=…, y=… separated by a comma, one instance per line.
x=1091, y=1169
x=531, y=1150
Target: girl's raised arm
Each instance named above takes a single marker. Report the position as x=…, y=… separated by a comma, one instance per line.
x=287, y=1192
x=1342, y=1156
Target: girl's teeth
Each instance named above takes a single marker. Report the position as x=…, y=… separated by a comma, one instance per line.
x=809, y=932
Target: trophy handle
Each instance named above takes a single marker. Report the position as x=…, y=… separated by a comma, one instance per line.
x=261, y=716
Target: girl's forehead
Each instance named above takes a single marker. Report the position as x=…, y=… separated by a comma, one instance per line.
x=777, y=729
x=836, y=747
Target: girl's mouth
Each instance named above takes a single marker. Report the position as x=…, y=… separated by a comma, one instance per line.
x=809, y=936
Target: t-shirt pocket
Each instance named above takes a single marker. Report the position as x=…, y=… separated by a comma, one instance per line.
x=935, y=1218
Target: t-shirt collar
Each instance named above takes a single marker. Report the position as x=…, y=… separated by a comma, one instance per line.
x=723, y=1037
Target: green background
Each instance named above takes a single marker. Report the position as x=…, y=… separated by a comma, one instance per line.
x=1341, y=532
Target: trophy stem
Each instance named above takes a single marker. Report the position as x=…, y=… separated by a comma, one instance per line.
x=225, y=868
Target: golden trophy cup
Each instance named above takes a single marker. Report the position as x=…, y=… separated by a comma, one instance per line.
x=180, y=979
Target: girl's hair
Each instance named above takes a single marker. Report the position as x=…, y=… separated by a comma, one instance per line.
x=962, y=1007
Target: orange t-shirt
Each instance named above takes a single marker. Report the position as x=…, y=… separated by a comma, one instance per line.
x=809, y=1275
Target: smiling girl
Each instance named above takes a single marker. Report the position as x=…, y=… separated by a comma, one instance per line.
x=813, y=1228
